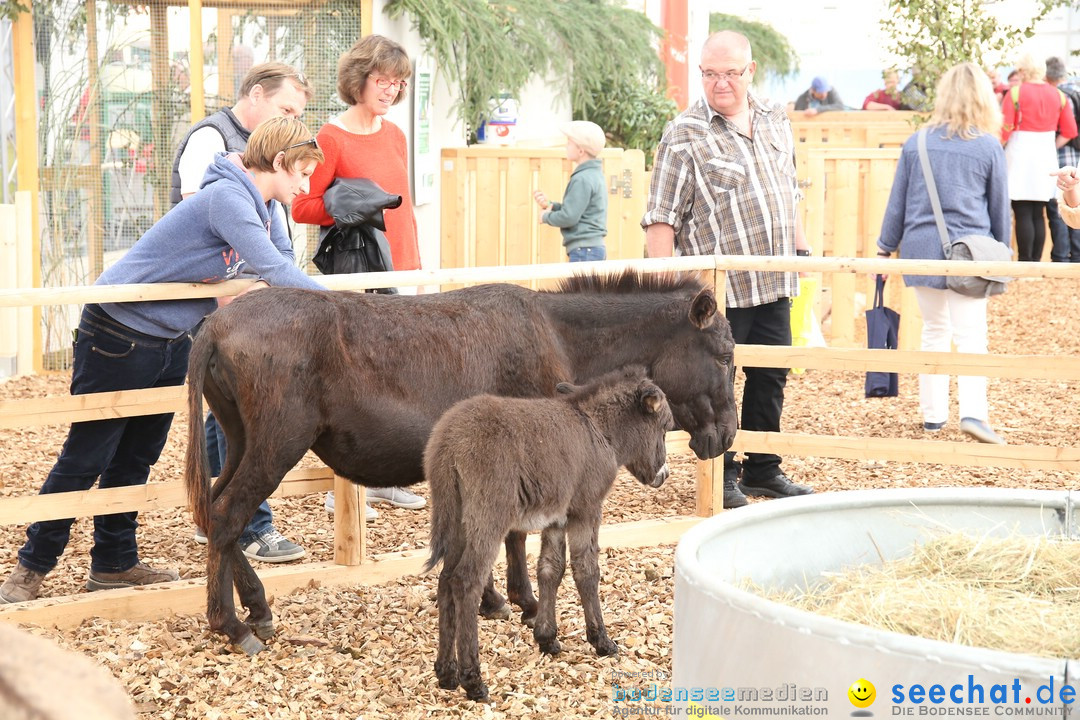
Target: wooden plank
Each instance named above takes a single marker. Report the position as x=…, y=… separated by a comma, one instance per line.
x=842, y=206
x=554, y=175
x=93, y=406
x=22, y=510
x=350, y=526
x=710, y=486
x=1046, y=367
x=485, y=211
x=520, y=212
x=1028, y=457
x=189, y=596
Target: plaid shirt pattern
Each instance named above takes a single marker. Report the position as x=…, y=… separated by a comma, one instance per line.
x=1068, y=155
x=728, y=194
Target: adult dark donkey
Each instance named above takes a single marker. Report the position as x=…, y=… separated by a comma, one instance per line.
x=361, y=379
x=497, y=464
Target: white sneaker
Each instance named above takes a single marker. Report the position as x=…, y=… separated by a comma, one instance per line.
x=370, y=513
x=398, y=497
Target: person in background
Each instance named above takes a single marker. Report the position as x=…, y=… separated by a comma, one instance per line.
x=229, y=226
x=724, y=183
x=1000, y=88
x=1064, y=240
x=268, y=90
x=887, y=98
x=970, y=174
x=820, y=97
x=361, y=143
x=1038, y=119
x=582, y=214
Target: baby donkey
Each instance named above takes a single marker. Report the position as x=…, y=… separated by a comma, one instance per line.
x=497, y=464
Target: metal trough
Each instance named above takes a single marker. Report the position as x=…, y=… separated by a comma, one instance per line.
x=737, y=654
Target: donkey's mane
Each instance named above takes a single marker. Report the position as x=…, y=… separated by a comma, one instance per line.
x=630, y=281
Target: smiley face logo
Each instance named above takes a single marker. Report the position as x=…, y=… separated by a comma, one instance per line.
x=862, y=693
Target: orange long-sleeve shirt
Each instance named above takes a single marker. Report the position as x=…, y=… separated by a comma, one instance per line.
x=381, y=157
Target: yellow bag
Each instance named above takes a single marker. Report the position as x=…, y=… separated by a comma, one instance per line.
x=805, y=331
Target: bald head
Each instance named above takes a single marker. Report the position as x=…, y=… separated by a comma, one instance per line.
x=727, y=43
x=727, y=69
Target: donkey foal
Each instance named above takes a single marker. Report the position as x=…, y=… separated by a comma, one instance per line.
x=498, y=464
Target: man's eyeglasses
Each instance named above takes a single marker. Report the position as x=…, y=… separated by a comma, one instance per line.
x=383, y=83
x=730, y=76
x=311, y=141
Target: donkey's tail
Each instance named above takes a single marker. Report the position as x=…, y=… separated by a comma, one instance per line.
x=445, y=504
x=197, y=462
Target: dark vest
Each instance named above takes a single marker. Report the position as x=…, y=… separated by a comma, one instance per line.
x=235, y=136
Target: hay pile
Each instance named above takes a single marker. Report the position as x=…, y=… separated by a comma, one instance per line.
x=1016, y=594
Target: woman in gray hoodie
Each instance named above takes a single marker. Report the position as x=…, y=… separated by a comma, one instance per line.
x=231, y=223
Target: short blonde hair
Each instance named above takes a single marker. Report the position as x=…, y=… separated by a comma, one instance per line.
x=280, y=133
x=372, y=53
x=271, y=75
x=965, y=104
x=1029, y=70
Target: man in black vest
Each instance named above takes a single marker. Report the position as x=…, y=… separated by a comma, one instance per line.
x=269, y=90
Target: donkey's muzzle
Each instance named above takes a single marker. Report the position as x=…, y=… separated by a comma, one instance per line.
x=661, y=476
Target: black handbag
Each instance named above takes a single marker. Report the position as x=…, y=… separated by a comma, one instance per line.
x=882, y=333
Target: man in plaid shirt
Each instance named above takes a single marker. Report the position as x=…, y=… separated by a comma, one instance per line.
x=724, y=183
x=1065, y=241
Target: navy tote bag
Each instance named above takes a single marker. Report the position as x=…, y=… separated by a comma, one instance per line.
x=882, y=330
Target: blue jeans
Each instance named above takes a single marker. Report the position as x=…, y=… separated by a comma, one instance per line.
x=585, y=254
x=263, y=519
x=1065, y=241
x=117, y=452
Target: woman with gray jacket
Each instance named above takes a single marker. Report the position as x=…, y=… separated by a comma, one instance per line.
x=971, y=176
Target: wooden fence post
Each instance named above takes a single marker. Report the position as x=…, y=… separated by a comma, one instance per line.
x=350, y=529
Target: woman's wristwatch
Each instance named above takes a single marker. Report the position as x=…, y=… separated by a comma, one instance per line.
x=803, y=253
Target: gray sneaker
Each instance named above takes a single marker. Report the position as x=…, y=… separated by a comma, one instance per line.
x=22, y=585
x=273, y=547
x=141, y=574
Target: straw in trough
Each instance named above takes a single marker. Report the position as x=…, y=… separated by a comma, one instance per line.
x=1016, y=594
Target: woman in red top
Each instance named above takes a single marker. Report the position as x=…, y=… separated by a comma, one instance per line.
x=1038, y=119
x=362, y=143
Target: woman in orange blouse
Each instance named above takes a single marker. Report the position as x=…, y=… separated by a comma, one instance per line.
x=362, y=143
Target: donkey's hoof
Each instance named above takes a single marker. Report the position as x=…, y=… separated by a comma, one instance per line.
x=605, y=647
x=550, y=647
x=448, y=682
x=528, y=619
x=478, y=693
x=263, y=629
x=251, y=645
x=500, y=613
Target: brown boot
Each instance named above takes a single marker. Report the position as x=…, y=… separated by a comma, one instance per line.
x=141, y=574
x=23, y=584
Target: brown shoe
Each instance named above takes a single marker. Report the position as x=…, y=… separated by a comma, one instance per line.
x=141, y=574
x=23, y=584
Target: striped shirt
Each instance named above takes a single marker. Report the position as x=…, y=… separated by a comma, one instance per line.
x=728, y=194
x=1068, y=155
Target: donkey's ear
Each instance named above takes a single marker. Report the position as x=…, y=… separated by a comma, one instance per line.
x=703, y=309
x=565, y=388
x=652, y=400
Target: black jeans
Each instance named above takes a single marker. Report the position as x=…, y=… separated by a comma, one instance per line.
x=120, y=451
x=763, y=391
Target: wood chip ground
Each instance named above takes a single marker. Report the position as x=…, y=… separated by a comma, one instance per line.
x=367, y=652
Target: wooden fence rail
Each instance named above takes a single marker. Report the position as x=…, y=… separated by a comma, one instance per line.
x=349, y=537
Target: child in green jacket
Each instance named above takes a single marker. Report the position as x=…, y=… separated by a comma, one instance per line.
x=582, y=214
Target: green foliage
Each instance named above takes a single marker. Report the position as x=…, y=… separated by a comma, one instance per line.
x=931, y=36
x=773, y=53
x=603, y=51
x=9, y=9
